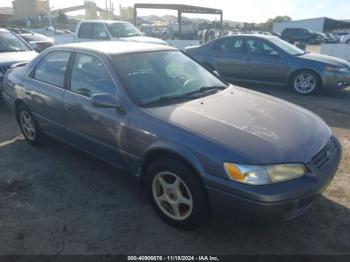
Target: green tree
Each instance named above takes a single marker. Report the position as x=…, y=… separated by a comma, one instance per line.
x=278, y=19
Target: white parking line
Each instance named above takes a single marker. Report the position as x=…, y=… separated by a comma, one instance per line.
x=17, y=138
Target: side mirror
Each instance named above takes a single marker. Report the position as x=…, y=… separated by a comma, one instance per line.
x=275, y=54
x=102, y=35
x=33, y=45
x=106, y=101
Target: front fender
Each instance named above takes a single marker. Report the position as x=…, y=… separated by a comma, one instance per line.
x=164, y=147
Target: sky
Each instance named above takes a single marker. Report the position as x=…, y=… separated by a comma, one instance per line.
x=236, y=10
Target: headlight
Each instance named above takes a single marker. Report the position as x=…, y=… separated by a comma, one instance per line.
x=338, y=69
x=264, y=174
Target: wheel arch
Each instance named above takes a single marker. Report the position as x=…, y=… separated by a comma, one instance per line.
x=17, y=103
x=296, y=71
x=174, y=151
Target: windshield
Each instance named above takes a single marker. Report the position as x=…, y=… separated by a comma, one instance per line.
x=11, y=43
x=165, y=76
x=123, y=30
x=287, y=47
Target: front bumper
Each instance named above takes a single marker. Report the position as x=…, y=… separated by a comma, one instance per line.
x=276, y=202
x=336, y=80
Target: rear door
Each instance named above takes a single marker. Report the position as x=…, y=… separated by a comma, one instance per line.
x=229, y=57
x=47, y=85
x=100, y=131
x=261, y=65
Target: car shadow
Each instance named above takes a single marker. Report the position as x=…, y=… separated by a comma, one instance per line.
x=60, y=193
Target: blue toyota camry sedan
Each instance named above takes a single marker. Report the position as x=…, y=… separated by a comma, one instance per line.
x=197, y=144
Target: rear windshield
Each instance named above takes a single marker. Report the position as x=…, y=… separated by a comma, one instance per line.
x=123, y=30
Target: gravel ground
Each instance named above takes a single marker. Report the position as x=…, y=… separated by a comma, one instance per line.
x=57, y=200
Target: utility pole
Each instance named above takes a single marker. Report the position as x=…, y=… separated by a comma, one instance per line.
x=49, y=12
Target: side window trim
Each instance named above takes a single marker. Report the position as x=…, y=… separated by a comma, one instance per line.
x=31, y=74
x=70, y=68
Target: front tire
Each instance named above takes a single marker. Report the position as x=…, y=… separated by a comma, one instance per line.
x=305, y=82
x=177, y=193
x=29, y=127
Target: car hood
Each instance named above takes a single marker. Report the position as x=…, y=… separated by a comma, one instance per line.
x=264, y=129
x=330, y=60
x=15, y=57
x=144, y=39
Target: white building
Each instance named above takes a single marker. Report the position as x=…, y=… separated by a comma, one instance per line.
x=320, y=24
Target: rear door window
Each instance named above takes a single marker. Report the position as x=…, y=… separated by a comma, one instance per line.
x=99, y=32
x=85, y=30
x=231, y=45
x=52, y=68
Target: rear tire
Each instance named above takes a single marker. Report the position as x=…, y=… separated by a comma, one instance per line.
x=29, y=127
x=177, y=193
x=305, y=82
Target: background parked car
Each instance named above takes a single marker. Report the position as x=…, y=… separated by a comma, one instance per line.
x=37, y=41
x=20, y=31
x=345, y=39
x=293, y=35
x=331, y=38
x=12, y=50
x=109, y=30
x=269, y=59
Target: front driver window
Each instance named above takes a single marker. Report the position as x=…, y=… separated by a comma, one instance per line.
x=90, y=77
x=258, y=47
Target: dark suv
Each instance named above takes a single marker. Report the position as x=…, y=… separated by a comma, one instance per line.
x=302, y=35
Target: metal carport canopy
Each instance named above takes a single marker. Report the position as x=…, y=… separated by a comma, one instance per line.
x=333, y=24
x=181, y=9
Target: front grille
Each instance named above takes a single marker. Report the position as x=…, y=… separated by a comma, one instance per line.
x=327, y=153
x=3, y=69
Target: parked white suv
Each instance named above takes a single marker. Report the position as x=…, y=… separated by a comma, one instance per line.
x=109, y=30
x=345, y=39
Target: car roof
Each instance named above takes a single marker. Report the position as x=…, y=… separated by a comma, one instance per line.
x=252, y=35
x=103, y=21
x=115, y=47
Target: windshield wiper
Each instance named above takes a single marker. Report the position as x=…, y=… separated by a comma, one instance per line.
x=205, y=89
x=186, y=96
x=169, y=98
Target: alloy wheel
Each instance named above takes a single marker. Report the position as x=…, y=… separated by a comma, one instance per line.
x=305, y=83
x=28, y=126
x=172, y=195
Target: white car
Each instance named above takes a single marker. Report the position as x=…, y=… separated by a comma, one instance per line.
x=345, y=39
x=109, y=30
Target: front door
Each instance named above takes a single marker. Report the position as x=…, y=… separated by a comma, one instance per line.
x=264, y=63
x=100, y=131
